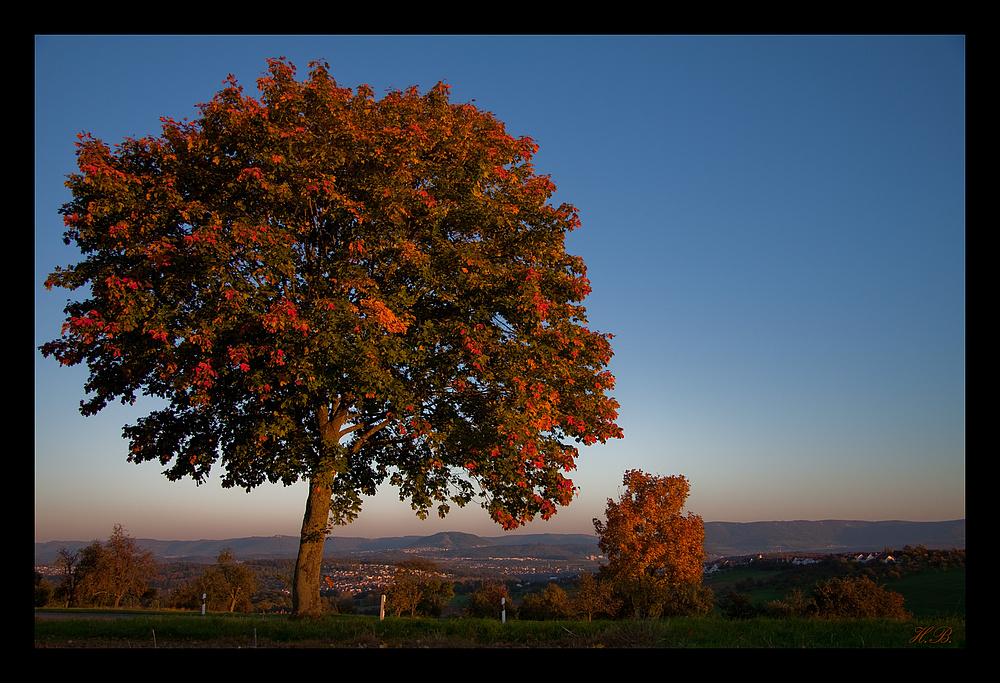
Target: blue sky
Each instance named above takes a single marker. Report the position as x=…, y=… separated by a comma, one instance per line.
x=775, y=232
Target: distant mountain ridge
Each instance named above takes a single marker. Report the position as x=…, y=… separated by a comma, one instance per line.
x=829, y=536
x=721, y=538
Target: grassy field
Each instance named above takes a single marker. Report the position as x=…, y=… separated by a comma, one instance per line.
x=188, y=630
x=933, y=594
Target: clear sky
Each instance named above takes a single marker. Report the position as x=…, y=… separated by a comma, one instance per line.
x=775, y=232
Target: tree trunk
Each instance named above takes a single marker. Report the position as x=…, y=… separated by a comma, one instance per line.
x=305, y=584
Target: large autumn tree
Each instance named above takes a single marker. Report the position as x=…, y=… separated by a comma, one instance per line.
x=325, y=286
x=655, y=553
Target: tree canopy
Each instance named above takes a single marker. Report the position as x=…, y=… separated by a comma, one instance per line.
x=320, y=285
x=655, y=553
x=110, y=574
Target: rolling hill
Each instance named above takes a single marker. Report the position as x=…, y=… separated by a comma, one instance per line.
x=721, y=538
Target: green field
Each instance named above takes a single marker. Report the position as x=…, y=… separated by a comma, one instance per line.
x=188, y=630
x=933, y=594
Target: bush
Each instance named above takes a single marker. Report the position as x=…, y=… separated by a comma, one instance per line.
x=44, y=591
x=795, y=604
x=737, y=606
x=857, y=597
x=689, y=600
x=646, y=597
x=551, y=603
x=487, y=602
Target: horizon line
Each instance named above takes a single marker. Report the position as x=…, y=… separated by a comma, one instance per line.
x=519, y=532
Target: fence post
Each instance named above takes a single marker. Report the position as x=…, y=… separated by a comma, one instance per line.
x=381, y=610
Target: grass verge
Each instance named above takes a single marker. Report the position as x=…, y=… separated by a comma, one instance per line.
x=143, y=630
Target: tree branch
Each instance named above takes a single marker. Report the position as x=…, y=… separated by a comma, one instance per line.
x=367, y=435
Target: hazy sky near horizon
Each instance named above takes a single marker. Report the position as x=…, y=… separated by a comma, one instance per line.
x=774, y=228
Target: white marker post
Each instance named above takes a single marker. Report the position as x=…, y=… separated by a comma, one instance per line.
x=503, y=610
x=381, y=610
x=203, y=596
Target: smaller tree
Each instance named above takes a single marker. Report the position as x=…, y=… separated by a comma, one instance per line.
x=655, y=554
x=65, y=591
x=116, y=572
x=228, y=586
x=551, y=603
x=418, y=589
x=128, y=567
x=594, y=598
x=488, y=601
x=235, y=583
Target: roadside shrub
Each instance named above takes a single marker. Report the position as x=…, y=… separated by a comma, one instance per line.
x=857, y=597
x=795, y=604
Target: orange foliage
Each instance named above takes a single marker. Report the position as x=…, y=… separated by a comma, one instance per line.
x=646, y=535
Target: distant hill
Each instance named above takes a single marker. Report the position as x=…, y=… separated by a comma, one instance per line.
x=721, y=538
x=451, y=540
x=252, y=547
x=829, y=536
